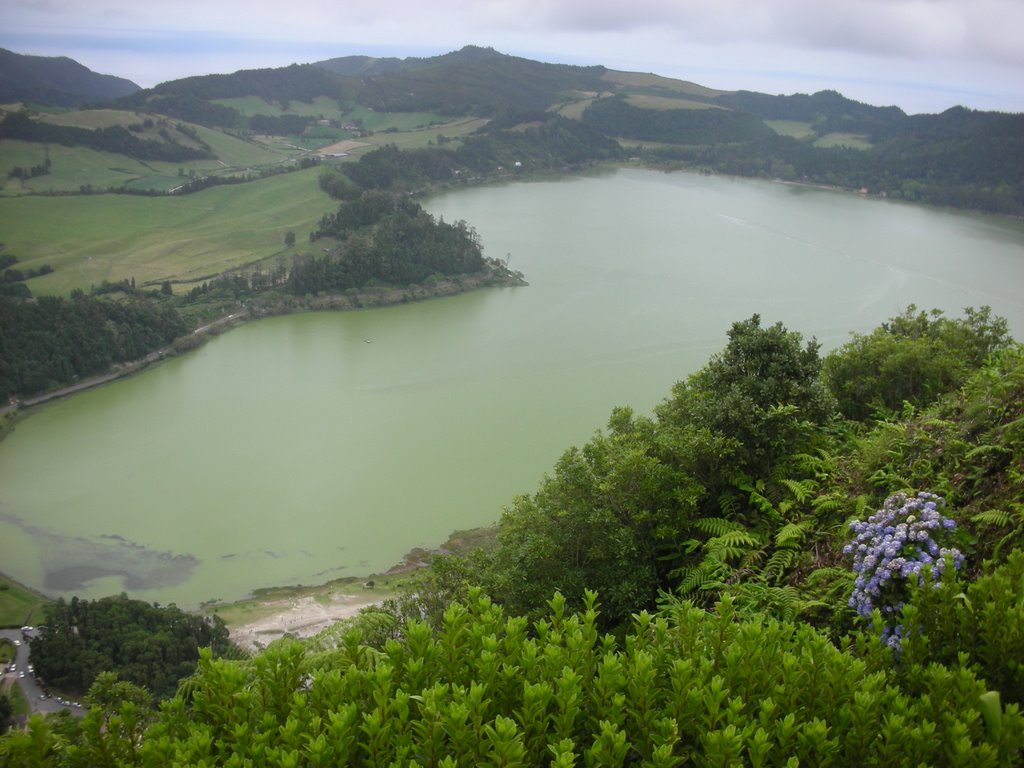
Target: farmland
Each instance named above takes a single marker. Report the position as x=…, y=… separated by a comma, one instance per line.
x=88, y=239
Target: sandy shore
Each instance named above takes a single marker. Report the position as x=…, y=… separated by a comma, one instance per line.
x=298, y=616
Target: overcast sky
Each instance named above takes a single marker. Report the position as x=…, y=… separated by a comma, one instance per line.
x=921, y=55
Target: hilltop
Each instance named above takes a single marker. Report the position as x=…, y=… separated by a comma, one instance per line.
x=56, y=80
x=962, y=158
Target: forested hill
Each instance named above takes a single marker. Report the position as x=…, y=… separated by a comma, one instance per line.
x=58, y=81
x=961, y=157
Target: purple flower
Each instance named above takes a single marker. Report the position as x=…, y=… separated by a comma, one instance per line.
x=893, y=546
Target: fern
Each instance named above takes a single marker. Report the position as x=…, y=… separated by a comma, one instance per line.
x=755, y=598
x=802, y=490
x=995, y=517
x=732, y=545
x=792, y=533
x=780, y=562
x=716, y=526
x=1011, y=522
x=698, y=581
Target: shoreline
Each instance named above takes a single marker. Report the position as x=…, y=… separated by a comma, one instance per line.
x=385, y=296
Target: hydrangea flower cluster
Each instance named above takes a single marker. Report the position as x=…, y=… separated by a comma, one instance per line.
x=894, y=545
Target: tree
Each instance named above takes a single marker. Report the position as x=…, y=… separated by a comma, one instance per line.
x=289, y=238
x=913, y=358
x=763, y=392
x=609, y=519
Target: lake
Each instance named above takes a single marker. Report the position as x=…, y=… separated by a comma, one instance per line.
x=302, y=448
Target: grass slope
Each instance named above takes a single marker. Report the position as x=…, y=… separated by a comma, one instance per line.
x=19, y=605
x=112, y=237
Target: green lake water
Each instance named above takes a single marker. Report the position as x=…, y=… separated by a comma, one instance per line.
x=298, y=449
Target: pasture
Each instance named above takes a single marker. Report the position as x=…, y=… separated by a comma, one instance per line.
x=72, y=168
x=321, y=106
x=642, y=80
x=19, y=605
x=91, y=238
x=794, y=128
x=657, y=102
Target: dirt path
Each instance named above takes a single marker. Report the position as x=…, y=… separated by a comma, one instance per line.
x=299, y=616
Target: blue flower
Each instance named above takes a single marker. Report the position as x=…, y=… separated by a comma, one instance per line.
x=893, y=546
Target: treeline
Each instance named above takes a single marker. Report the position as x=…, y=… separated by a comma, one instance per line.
x=552, y=144
x=962, y=173
x=473, y=80
x=12, y=282
x=48, y=342
x=826, y=111
x=148, y=645
x=115, y=138
x=407, y=245
x=615, y=116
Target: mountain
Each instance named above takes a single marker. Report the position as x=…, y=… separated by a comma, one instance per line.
x=57, y=81
x=962, y=158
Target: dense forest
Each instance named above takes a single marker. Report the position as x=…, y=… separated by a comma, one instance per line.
x=147, y=645
x=793, y=561
x=49, y=341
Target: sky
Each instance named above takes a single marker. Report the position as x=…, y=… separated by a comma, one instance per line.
x=919, y=55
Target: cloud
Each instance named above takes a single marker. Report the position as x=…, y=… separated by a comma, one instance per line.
x=984, y=29
x=933, y=53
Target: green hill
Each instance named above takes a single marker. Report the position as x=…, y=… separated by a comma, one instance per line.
x=57, y=81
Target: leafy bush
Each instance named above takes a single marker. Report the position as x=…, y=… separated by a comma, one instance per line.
x=914, y=358
x=980, y=624
x=684, y=687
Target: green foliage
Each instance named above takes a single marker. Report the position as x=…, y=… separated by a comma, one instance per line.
x=146, y=645
x=387, y=239
x=611, y=518
x=763, y=392
x=913, y=358
x=979, y=625
x=53, y=341
x=616, y=117
x=682, y=687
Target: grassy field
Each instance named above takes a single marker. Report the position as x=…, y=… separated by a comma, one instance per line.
x=19, y=605
x=88, y=239
x=73, y=167
x=321, y=106
x=400, y=121
x=646, y=81
x=95, y=118
x=794, y=128
x=91, y=238
x=650, y=101
x=574, y=110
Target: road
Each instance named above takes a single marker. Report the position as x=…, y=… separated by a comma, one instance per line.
x=29, y=686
